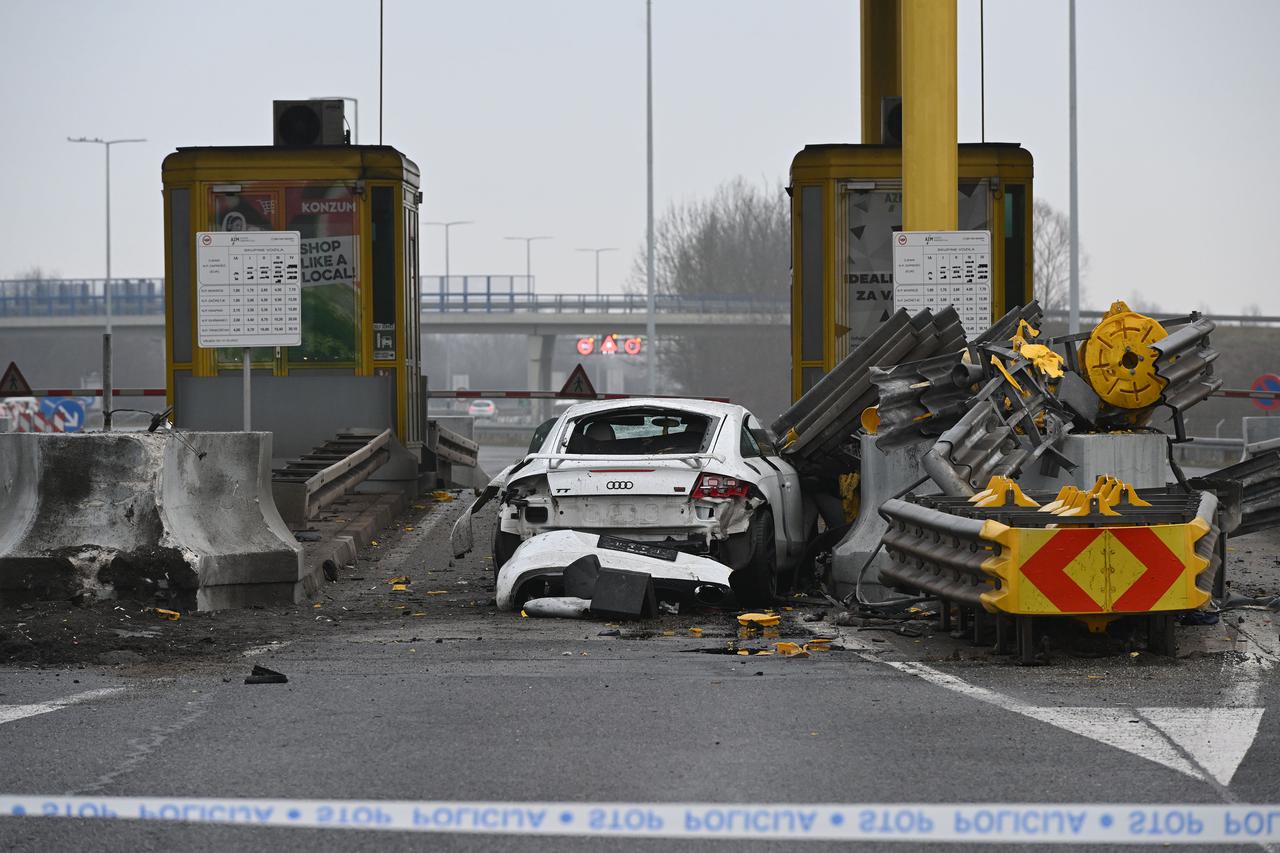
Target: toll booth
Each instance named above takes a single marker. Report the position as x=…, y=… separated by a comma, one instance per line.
x=846, y=203
x=356, y=209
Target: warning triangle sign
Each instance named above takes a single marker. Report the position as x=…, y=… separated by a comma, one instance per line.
x=13, y=383
x=578, y=385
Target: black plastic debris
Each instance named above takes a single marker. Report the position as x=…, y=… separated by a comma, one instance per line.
x=330, y=570
x=624, y=594
x=580, y=577
x=262, y=675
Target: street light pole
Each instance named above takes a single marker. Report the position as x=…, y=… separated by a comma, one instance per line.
x=446, y=226
x=528, y=256
x=597, y=254
x=651, y=322
x=1073, y=322
x=107, y=389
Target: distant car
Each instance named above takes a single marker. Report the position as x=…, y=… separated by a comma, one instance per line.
x=697, y=476
x=482, y=409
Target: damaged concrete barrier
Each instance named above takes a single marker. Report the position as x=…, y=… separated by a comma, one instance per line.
x=127, y=513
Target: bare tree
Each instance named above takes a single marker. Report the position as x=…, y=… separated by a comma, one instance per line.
x=1051, y=247
x=733, y=248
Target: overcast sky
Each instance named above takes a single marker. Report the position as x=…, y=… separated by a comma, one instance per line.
x=528, y=117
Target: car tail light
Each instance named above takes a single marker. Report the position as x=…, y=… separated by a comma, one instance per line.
x=719, y=486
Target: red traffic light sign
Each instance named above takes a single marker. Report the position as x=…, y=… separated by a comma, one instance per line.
x=586, y=346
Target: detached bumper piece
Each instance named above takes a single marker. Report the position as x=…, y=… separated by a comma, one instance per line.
x=1092, y=555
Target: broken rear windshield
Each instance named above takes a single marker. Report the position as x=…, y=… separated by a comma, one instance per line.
x=638, y=432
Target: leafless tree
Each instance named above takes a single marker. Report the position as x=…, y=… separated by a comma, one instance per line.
x=733, y=249
x=1051, y=245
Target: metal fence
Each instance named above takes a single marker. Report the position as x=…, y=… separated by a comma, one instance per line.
x=79, y=297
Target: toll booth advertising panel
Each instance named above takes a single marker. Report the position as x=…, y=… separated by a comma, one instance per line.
x=846, y=208
x=354, y=210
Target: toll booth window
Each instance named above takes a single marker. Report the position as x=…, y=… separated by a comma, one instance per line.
x=1016, y=291
x=325, y=216
x=384, y=272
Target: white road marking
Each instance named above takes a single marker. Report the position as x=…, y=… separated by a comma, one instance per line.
x=1207, y=743
x=9, y=713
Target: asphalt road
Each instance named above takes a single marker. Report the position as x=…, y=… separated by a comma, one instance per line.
x=431, y=694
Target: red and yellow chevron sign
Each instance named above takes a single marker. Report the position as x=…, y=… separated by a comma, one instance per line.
x=1093, y=570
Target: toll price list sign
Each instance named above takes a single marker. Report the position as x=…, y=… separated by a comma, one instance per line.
x=248, y=288
x=934, y=269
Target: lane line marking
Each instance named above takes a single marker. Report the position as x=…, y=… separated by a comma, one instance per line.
x=10, y=713
x=1205, y=743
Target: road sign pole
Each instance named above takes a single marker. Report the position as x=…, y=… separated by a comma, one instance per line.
x=247, y=394
x=107, y=389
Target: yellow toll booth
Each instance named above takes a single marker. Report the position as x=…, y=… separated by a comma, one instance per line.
x=356, y=209
x=846, y=204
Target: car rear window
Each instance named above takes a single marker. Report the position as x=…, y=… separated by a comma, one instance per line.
x=640, y=432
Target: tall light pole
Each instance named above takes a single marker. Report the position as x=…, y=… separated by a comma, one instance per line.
x=107, y=388
x=1074, y=267
x=446, y=226
x=528, y=256
x=651, y=322
x=355, y=130
x=597, y=254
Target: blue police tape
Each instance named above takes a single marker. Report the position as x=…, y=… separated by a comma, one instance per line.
x=976, y=822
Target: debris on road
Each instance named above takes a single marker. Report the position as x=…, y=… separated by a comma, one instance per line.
x=263, y=675
x=171, y=615
x=577, y=563
x=758, y=620
x=563, y=607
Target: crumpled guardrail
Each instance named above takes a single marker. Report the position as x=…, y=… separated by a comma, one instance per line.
x=1249, y=492
x=817, y=430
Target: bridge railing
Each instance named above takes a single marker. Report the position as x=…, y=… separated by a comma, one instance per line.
x=587, y=303
x=80, y=297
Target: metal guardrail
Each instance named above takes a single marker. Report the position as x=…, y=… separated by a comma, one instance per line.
x=451, y=446
x=306, y=485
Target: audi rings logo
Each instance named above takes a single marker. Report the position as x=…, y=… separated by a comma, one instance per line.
x=619, y=485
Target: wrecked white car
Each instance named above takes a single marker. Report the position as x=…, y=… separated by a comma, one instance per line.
x=700, y=477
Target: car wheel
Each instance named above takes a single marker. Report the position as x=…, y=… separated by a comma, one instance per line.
x=504, y=545
x=756, y=583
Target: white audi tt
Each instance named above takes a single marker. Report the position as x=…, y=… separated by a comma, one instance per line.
x=697, y=476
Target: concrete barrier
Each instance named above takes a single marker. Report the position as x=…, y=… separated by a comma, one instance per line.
x=135, y=513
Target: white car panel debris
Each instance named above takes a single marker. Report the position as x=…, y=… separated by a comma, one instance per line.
x=543, y=558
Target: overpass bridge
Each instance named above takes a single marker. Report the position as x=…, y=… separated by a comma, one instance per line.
x=30, y=310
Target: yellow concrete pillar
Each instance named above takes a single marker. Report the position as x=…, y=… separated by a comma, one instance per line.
x=929, y=168
x=881, y=76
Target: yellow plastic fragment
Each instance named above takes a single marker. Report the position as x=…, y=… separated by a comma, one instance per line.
x=819, y=641
x=668, y=633
x=759, y=619
x=743, y=652
x=399, y=587
x=524, y=615
x=399, y=579
x=1046, y=360
x=442, y=496
x=697, y=632
x=171, y=615
x=375, y=543
x=318, y=605
x=999, y=365
x=437, y=592
x=791, y=650
x=762, y=652
x=999, y=492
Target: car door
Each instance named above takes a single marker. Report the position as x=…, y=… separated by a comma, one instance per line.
x=768, y=481
x=792, y=528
